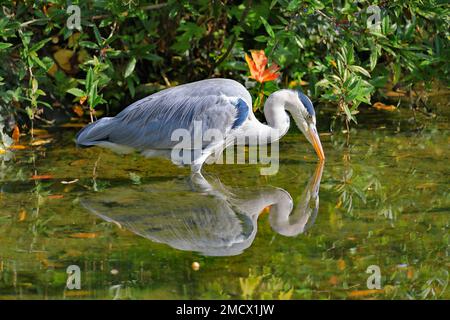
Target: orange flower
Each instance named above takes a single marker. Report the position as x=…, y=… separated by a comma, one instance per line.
x=257, y=64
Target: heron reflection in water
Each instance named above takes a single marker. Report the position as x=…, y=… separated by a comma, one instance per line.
x=195, y=214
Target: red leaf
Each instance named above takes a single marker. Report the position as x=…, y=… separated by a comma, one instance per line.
x=257, y=65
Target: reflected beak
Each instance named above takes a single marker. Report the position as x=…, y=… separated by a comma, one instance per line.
x=314, y=139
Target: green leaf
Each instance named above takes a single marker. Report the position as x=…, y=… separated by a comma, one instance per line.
x=349, y=114
x=89, y=79
x=4, y=45
x=39, y=62
x=396, y=72
x=360, y=70
x=268, y=27
x=39, y=45
x=323, y=83
x=98, y=37
x=130, y=67
x=373, y=58
x=131, y=87
x=93, y=98
x=76, y=92
x=34, y=85
x=272, y=4
x=89, y=44
x=261, y=38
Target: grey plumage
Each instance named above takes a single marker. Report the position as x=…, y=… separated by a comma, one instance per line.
x=193, y=122
x=149, y=122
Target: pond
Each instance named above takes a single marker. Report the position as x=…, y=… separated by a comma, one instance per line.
x=141, y=228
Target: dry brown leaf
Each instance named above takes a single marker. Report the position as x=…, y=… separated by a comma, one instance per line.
x=77, y=293
x=84, y=235
x=42, y=177
x=17, y=147
x=382, y=106
x=82, y=56
x=79, y=162
x=52, y=70
x=296, y=83
x=364, y=293
x=410, y=273
x=41, y=142
x=38, y=132
x=56, y=196
x=395, y=94
x=16, y=134
x=333, y=280
x=73, y=39
x=22, y=215
x=341, y=264
x=78, y=110
x=83, y=99
x=62, y=57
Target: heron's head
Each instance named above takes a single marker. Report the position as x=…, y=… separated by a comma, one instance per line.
x=302, y=110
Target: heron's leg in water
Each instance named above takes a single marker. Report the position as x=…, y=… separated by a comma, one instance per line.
x=200, y=184
x=213, y=148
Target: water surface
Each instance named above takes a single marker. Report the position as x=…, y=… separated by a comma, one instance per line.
x=135, y=226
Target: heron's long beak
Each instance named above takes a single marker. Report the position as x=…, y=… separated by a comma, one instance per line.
x=314, y=139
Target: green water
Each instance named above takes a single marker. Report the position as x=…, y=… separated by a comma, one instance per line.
x=135, y=226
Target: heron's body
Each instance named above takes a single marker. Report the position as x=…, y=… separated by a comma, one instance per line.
x=224, y=105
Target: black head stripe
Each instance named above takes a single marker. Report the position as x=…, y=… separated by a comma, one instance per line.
x=307, y=103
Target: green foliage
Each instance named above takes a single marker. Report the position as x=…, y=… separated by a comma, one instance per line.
x=346, y=58
x=265, y=286
x=126, y=50
x=90, y=89
x=345, y=87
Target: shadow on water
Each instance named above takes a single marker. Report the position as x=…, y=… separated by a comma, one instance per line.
x=207, y=217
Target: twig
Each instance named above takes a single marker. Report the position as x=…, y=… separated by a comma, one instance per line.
x=50, y=122
x=33, y=21
x=327, y=17
x=166, y=80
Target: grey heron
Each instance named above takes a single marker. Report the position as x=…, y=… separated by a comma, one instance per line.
x=207, y=216
x=220, y=104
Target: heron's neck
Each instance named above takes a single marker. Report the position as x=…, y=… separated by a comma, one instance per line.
x=275, y=112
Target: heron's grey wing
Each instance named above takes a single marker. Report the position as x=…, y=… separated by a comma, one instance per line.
x=216, y=87
x=151, y=125
x=150, y=122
